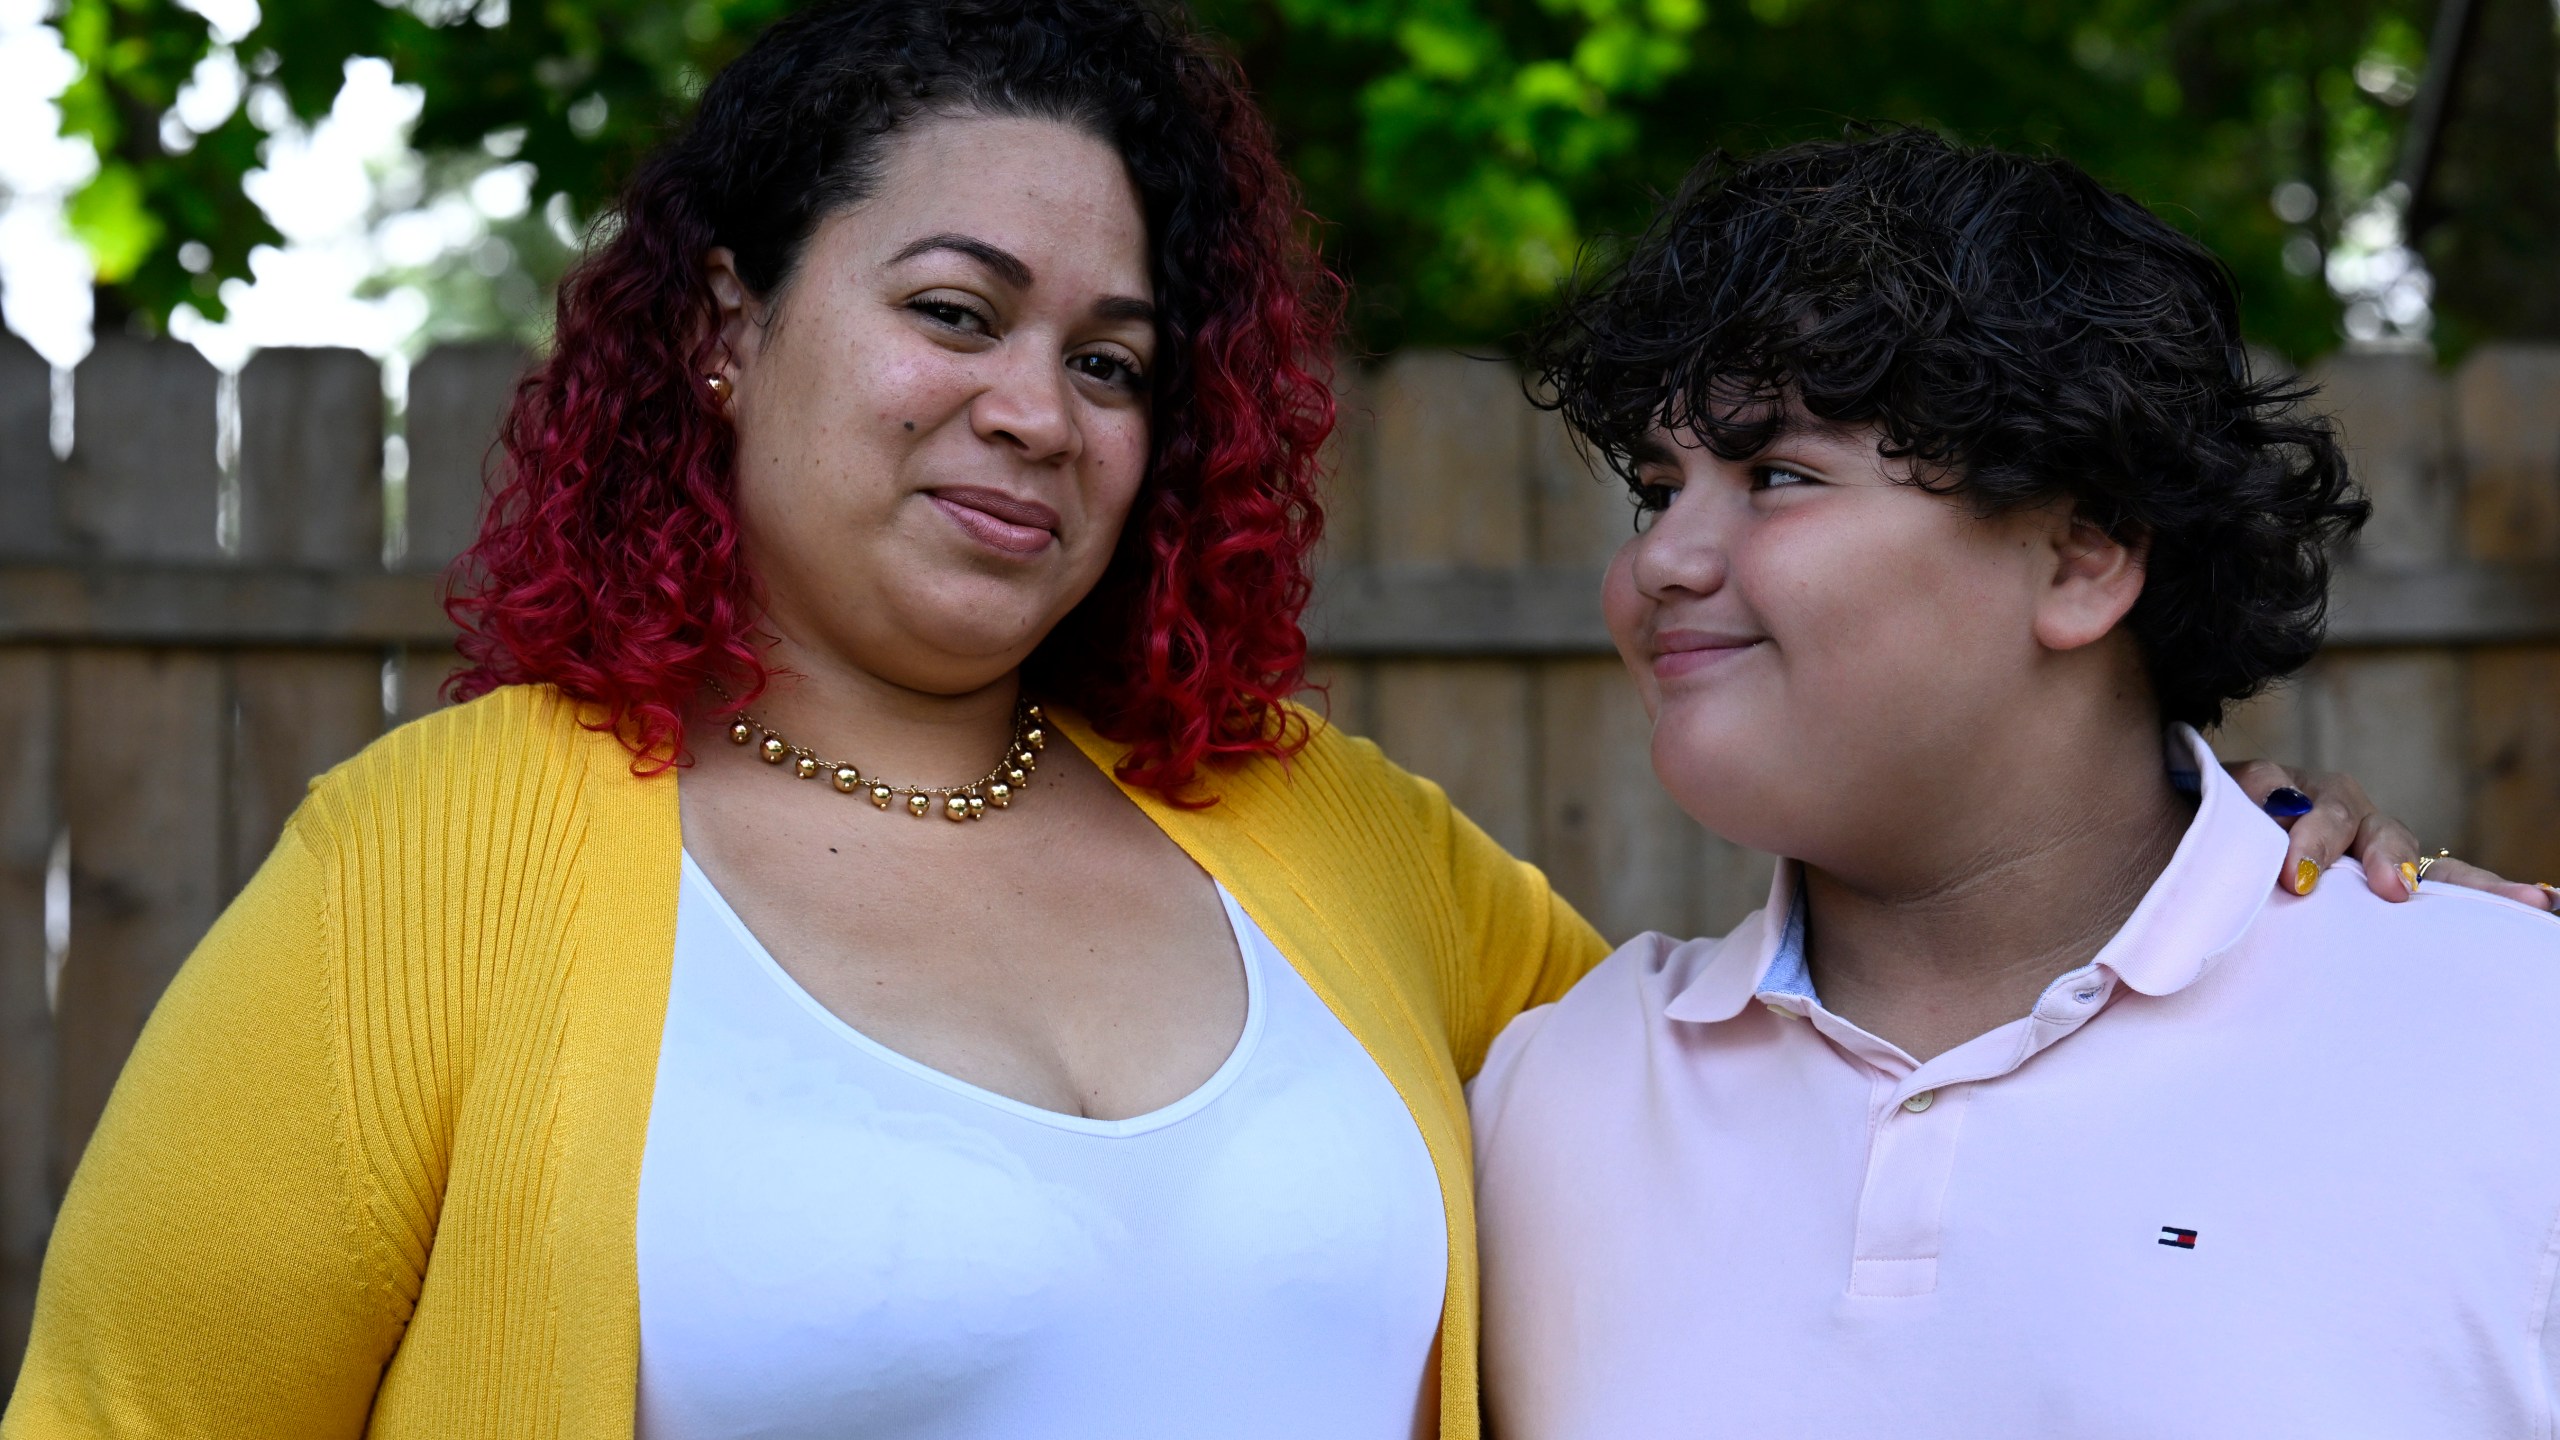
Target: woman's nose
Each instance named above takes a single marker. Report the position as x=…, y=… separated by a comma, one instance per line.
x=1028, y=406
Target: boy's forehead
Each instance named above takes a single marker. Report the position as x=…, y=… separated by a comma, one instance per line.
x=1786, y=420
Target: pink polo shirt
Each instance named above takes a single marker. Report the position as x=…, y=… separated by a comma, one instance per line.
x=2268, y=1166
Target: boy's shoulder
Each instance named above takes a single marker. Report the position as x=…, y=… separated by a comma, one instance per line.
x=2451, y=982
x=2474, y=934
x=1599, y=1024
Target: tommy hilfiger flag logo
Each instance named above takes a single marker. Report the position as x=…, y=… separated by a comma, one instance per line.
x=2182, y=1239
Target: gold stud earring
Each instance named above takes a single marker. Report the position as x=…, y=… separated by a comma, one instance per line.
x=719, y=386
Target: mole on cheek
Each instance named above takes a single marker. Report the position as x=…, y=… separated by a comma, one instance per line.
x=910, y=424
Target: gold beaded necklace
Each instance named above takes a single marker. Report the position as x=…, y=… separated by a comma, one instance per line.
x=959, y=802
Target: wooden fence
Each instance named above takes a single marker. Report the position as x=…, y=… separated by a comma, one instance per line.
x=197, y=614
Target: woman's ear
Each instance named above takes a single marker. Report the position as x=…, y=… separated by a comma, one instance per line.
x=2096, y=579
x=737, y=317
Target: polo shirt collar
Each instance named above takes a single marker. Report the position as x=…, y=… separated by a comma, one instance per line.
x=2212, y=890
x=2203, y=902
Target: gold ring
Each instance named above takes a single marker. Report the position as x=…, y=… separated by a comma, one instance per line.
x=2428, y=862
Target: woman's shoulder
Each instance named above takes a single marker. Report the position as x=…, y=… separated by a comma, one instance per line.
x=484, y=768
x=1334, y=774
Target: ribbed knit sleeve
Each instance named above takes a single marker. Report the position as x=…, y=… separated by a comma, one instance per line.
x=1523, y=946
x=372, y=1166
x=215, y=1270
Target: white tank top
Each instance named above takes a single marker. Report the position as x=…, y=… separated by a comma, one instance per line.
x=835, y=1240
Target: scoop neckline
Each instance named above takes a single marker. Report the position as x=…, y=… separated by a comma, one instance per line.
x=1248, y=939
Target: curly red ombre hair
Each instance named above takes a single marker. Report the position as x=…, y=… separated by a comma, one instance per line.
x=609, y=564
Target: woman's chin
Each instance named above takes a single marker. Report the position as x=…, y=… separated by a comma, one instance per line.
x=981, y=616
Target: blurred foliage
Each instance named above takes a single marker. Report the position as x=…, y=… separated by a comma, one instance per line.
x=149, y=198
x=1461, y=152
x=2489, y=221
x=1457, y=145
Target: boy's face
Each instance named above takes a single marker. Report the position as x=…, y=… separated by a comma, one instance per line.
x=1831, y=654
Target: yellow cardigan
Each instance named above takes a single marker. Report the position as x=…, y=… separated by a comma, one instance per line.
x=373, y=1167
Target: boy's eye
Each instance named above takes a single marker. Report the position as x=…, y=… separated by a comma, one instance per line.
x=1653, y=499
x=1777, y=477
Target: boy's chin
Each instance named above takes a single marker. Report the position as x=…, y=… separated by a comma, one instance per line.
x=1737, y=805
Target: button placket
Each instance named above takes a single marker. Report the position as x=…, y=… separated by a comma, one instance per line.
x=1911, y=1156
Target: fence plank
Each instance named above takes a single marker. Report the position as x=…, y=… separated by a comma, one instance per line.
x=142, y=752
x=1580, y=513
x=2271, y=726
x=27, y=520
x=1349, y=467
x=2396, y=414
x=1732, y=882
x=2507, y=400
x=1449, y=493
x=311, y=458
x=1614, y=844
x=143, y=481
x=2393, y=719
x=28, y=821
x=294, y=715
x=457, y=394
x=1465, y=724
x=417, y=689
x=310, y=495
x=2515, y=761
x=1450, y=441
x=1407, y=610
x=1339, y=690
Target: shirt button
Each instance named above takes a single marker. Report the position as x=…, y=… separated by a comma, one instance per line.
x=1781, y=1011
x=1921, y=1101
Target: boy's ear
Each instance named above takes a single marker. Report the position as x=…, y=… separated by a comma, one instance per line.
x=2096, y=578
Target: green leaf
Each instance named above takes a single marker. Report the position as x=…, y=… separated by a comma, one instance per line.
x=110, y=218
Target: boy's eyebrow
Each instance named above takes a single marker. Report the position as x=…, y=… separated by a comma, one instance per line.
x=1649, y=449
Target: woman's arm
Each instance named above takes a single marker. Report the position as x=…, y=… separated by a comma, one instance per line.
x=217, y=1268
x=1523, y=944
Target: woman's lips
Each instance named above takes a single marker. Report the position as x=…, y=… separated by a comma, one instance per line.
x=999, y=521
x=1687, y=652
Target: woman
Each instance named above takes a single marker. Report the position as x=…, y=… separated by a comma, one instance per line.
x=2026, y=1107
x=750, y=1015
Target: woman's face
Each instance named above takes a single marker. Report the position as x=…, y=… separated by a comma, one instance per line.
x=1828, y=652
x=942, y=416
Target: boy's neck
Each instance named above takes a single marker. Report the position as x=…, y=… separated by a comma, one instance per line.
x=2028, y=884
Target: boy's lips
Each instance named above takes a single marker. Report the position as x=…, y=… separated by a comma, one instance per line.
x=1686, y=652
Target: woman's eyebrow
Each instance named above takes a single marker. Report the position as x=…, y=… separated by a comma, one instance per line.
x=1125, y=307
x=1007, y=266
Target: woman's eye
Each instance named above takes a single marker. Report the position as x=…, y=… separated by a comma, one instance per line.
x=1109, y=369
x=953, y=314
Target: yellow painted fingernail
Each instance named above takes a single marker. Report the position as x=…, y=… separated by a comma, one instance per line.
x=2409, y=875
x=2305, y=875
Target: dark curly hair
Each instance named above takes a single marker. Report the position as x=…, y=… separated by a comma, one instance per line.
x=2019, y=332
x=609, y=562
